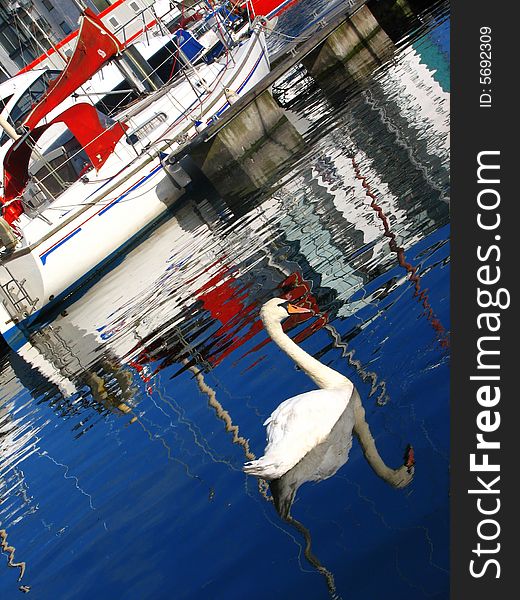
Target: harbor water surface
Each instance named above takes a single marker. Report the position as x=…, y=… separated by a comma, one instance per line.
x=125, y=421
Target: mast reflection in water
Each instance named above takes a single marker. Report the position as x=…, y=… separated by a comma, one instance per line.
x=125, y=421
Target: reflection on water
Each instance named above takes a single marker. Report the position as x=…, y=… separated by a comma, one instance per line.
x=125, y=421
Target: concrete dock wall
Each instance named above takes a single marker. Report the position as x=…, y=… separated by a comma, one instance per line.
x=240, y=145
x=348, y=45
x=360, y=44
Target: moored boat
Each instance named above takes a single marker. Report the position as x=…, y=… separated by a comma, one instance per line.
x=80, y=187
x=155, y=41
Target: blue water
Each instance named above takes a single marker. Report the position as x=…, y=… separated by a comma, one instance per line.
x=124, y=424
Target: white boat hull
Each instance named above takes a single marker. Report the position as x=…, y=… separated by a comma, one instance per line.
x=95, y=220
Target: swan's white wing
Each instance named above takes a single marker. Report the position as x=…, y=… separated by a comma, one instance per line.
x=305, y=420
x=295, y=427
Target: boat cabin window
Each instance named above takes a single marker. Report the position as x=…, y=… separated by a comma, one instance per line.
x=28, y=99
x=61, y=165
x=120, y=96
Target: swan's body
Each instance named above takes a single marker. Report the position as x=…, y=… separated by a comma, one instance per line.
x=297, y=426
x=320, y=463
x=302, y=422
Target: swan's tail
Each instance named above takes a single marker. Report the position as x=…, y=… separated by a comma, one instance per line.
x=265, y=468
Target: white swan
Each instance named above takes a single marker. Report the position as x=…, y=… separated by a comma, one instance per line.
x=303, y=422
x=320, y=463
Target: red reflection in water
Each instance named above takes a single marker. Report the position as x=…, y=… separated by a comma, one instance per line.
x=225, y=298
x=422, y=295
x=224, y=290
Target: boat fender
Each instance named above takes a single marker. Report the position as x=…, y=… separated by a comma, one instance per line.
x=7, y=237
x=231, y=95
x=176, y=173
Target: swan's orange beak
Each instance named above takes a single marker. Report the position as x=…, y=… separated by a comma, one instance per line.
x=292, y=309
x=409, y=457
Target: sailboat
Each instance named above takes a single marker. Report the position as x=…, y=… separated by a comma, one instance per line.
x=155, y=41
x=80, y=187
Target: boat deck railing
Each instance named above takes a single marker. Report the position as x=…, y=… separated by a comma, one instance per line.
x=21, y=304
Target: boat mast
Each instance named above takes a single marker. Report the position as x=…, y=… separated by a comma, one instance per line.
x=221, y=28
x=9, y=129
x=42, y=32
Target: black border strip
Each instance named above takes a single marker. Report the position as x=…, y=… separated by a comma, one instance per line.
x=485, y=116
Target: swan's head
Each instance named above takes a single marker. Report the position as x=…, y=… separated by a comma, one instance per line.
x=278, y=309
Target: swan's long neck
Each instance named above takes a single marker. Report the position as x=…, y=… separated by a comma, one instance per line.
x=323, y=376
x=397, y=477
